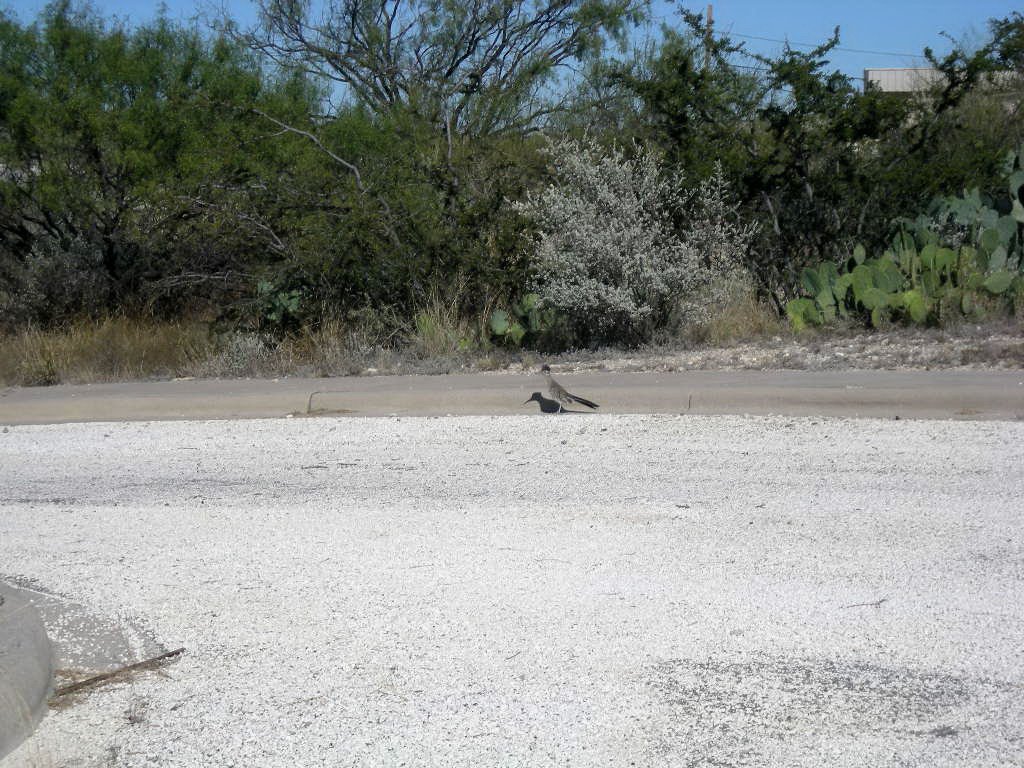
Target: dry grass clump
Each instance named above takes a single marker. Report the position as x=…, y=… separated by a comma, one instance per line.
x=742, y=318
x=437, y=338
x=369, y=339
x=89, y=351
x=738, y=315
x=440, y=329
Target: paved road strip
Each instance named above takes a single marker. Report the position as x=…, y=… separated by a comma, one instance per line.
x=883, y=394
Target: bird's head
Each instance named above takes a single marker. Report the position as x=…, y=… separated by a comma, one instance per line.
x=536, y=396
x=545, y=368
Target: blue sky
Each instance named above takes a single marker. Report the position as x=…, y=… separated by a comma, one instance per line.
x=893, y=32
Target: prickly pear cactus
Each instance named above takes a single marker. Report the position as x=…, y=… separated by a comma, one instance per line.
x=524, y=318
x=965, y=256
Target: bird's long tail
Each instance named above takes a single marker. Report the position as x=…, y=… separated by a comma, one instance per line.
x=584, y=401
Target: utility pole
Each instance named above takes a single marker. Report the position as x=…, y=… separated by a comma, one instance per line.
x=708, y=39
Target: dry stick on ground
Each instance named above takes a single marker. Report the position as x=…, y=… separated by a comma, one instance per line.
x=309, y=403
x=865, y=605
x=141, y=665
x=323, y=411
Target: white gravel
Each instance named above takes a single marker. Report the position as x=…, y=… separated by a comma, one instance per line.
x=534, y=591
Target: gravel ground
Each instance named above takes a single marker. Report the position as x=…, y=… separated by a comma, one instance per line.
x=534, y=591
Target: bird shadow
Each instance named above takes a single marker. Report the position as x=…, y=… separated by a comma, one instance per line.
x=547, y=405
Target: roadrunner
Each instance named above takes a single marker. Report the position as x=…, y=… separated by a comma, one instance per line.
x=561, y=395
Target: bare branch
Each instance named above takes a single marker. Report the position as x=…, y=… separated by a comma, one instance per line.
x=320, y=145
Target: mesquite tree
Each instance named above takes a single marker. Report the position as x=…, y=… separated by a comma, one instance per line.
x=467, y=68
x=450, y=79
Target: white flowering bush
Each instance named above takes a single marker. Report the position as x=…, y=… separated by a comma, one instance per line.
x=609, y=253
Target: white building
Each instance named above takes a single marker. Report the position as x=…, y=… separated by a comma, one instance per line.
x=915, y=79
x=905, y=80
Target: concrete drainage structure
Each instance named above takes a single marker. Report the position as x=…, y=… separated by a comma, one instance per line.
x=26, y=668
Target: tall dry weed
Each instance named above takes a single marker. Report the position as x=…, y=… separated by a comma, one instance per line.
x=112, y=349
x=742, y=318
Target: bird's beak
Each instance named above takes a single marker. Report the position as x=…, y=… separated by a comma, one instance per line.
x=528, y=401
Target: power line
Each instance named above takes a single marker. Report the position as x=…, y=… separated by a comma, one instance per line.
x=807, y=45
x=836, y=48
x=766, y=69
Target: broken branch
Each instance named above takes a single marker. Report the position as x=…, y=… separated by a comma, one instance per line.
x=140, y=665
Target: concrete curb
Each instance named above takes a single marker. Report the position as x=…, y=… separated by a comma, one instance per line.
x=26, y=669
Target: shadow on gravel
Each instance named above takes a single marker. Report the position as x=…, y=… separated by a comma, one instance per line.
x=729, y=711
x=84, y=643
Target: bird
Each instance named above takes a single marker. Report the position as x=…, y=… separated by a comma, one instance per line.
x=547, y=406
x=560, y=395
